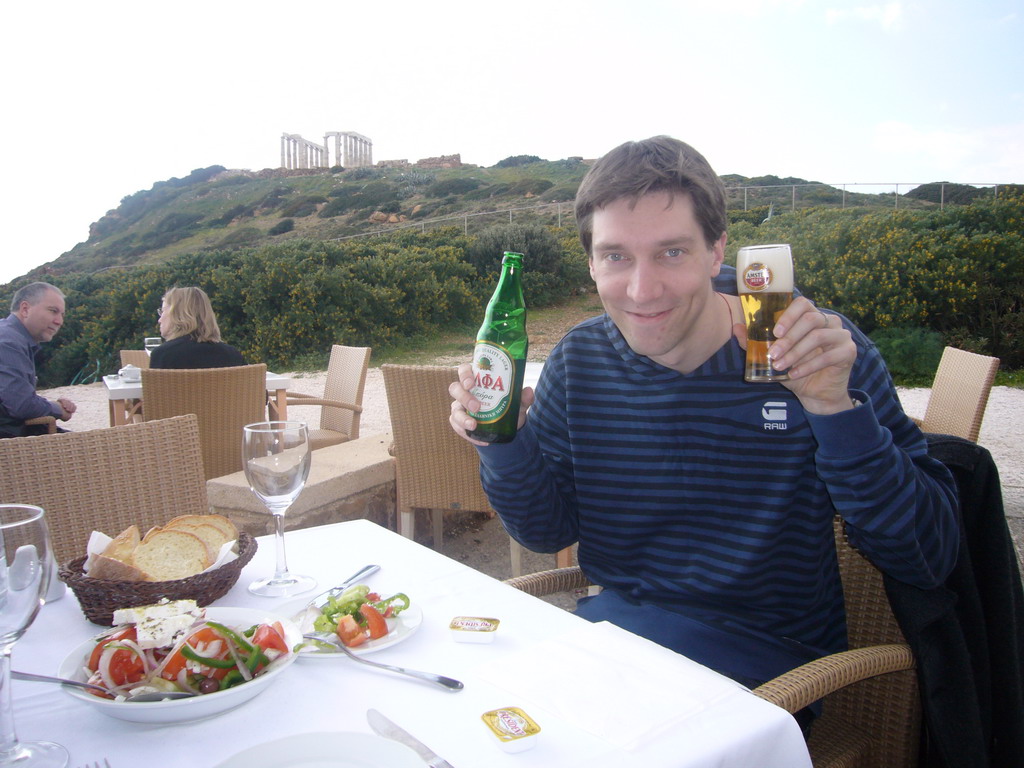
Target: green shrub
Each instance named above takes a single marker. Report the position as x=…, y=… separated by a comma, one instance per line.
x=284, y=225
x=516, y=160
x=539, y=246
x=561, y=193
x=231, y=214
x=487, y=193
x=527, y=187
x=304, y=206
x=362, y=174
x=176, y=221
x=356, y=197
x=911, y=354
x=452, y=187
x=241, y=236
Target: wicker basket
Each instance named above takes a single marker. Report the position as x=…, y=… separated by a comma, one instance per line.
x=99, y=598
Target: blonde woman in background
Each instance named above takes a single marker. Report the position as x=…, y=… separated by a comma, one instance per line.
x=188, y=324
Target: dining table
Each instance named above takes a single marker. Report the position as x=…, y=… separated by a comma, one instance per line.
x=124, y=397
x=600, y=695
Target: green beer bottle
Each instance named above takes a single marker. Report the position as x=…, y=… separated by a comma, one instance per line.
x=499, y=359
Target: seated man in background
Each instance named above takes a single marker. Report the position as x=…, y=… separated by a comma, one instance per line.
x=37, y=313
x=709, y=529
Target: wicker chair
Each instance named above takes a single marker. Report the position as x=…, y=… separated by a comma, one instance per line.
x=871, y=715
x=43, y=421
x=137, y=357
x=434, y=468
x=959, y=394
x=342, y=403
x=106, y=479
x=224, y=399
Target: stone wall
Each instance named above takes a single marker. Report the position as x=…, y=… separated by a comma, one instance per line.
x=350, y=481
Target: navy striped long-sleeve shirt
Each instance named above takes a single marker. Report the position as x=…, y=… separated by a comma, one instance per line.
x=714, y=498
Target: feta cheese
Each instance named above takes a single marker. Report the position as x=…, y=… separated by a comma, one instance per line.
x=161, y=624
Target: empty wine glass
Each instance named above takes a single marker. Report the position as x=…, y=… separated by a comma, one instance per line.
x=151, y=343
x=25, y=569
x=276, y=458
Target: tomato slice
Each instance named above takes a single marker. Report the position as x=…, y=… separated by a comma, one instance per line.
x=128, y=633
x=375, y=622
x=349, y=631
x=177, y=661
x=270, y=637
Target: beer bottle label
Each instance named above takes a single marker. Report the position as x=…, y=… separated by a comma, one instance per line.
x=493, y=381
x=757, y=277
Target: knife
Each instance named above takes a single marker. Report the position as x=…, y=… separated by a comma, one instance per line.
x=389, y=730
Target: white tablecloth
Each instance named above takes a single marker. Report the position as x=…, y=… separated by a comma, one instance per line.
x=711, y=722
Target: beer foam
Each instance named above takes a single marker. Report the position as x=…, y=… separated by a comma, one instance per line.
x=777, y=268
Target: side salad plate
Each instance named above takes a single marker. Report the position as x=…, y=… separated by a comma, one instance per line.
x=197, y=707
x=399, y=628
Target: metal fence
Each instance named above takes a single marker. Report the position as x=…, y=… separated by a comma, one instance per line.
x=836, y=194
x=793, y=196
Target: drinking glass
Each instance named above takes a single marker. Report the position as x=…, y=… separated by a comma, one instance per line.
x=151, y=343
x=25, y=569
x=764, y=282
x=276, y=457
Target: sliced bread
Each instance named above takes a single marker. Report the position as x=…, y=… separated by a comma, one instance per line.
x=104, y=567
x=122, y=545
x=226, y=527
x=210, y=534
x=168, y=554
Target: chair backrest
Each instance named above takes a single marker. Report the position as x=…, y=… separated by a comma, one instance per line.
x=435, y=469
x=346, y=378
x=137, y=357
x=959, y=394
x=106, y=479
x=224, y=399
x=879, y=719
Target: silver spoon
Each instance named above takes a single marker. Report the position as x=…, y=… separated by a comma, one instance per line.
x=153, y=696
x=445, y=682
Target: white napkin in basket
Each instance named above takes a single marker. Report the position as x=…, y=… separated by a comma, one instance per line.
x=610, y=682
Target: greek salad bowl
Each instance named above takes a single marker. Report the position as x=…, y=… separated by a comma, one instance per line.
x=197, y=707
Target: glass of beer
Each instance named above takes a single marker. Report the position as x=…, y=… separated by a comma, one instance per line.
x=764, y=281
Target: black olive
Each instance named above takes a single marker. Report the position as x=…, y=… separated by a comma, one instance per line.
x=209, y=685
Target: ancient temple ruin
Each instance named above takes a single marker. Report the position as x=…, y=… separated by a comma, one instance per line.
x=351, y=150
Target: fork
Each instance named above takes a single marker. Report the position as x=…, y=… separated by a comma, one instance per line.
x=106, y=764
x=448, y=683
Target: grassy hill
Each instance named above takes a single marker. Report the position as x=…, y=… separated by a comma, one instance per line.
x=216, y=209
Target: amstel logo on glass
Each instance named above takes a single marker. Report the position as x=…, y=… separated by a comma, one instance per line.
x=493, y=376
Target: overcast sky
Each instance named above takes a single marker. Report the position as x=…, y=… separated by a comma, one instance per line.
x=105, y=98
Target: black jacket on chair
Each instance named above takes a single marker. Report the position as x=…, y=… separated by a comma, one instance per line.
x=968, y=635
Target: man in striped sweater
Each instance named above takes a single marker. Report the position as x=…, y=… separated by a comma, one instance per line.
x=702, y=504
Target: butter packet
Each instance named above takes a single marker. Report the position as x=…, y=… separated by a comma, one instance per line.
x=473, y=629
x=513, y=729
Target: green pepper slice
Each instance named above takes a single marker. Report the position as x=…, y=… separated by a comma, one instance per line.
x=233, y=636
x=190, y=653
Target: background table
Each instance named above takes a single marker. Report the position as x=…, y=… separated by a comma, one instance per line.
x=736, y=729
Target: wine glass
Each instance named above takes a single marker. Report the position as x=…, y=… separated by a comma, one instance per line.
x=25, y=546
x=276, y=458
x=151, y=343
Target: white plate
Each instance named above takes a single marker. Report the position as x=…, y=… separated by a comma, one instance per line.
x=326, y=750
x=400, y=628
x=198, y=707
